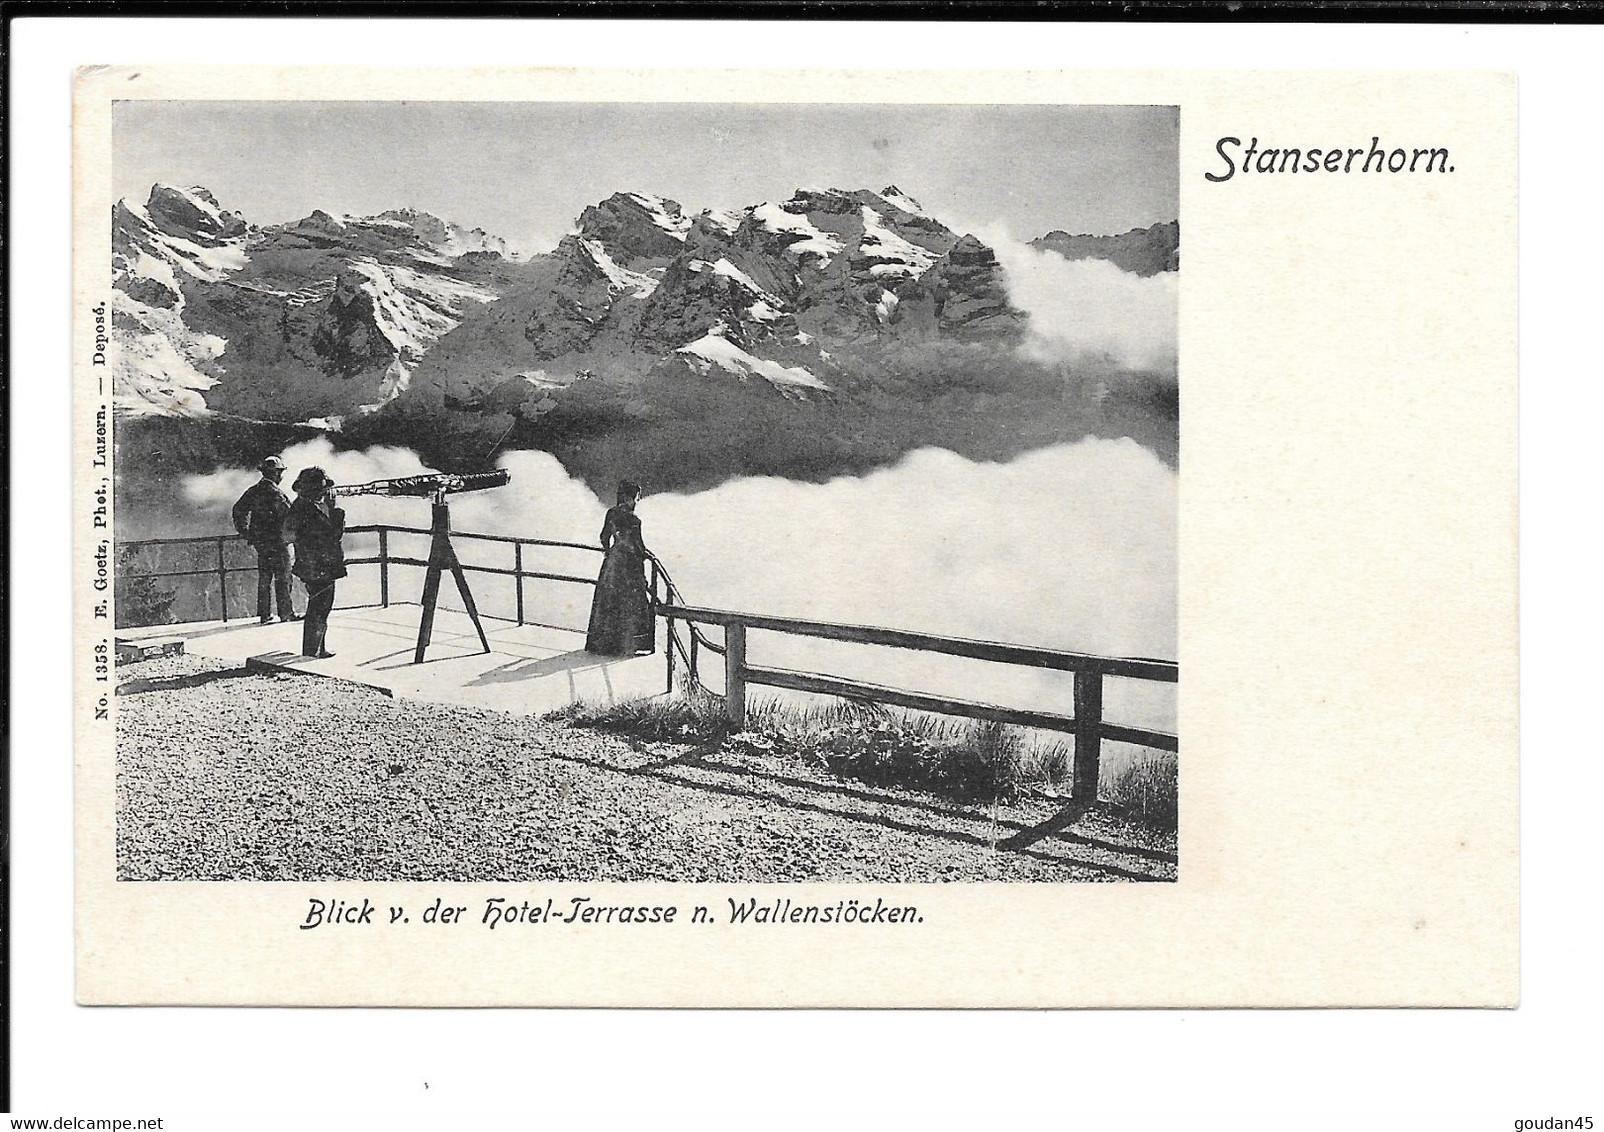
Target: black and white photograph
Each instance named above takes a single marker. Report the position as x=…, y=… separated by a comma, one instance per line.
x=594, y=491
x=613, y=565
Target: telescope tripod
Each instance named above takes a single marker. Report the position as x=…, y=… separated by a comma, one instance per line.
x=443, y=557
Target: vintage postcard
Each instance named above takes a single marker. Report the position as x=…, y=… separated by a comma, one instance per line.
x=734, y=538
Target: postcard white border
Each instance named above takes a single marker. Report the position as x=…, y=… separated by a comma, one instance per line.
x=1349, y=830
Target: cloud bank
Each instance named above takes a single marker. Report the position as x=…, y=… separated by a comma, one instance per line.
x=1088, y=310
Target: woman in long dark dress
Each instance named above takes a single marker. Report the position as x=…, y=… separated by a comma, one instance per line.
x=621, y=621
x=315, y=524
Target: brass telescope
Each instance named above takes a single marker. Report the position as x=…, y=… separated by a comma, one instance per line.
x=434, y=483
x=442, y=556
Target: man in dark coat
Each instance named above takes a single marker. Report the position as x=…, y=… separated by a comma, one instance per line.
x=316, y=526
x=259, y=516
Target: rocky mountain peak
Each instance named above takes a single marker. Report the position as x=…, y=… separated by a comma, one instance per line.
x=321, y=221
x=837, y=202
x=397, y=231
x=177, y=233
x=901, y=200
x=443, y=236
x=191, y=213
x=317, y=317
x=969, y=249
x=1141, y=251
x=963, y=296
x=636, y=226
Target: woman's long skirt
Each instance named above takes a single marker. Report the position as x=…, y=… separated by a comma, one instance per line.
x=621, y=621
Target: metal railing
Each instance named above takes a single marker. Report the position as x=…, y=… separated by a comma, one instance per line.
x=221, y=571
x=384, y=559
x=662, y=588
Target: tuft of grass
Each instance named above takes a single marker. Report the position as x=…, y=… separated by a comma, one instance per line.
x=1145, y=784
x=962, y=759
x=695, y=718
x=955, y=758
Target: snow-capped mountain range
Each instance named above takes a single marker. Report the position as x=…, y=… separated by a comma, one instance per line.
x=325, y=314
x=329, y=317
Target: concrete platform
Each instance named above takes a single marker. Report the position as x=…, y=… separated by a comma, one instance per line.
x=531, y=669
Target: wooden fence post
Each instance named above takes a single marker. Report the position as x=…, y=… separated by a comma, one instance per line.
x=735, y=673
x=1088, y=736
x=668, y=655
x=384, y=567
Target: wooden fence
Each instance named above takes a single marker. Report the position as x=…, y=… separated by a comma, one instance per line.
x=1086, y=723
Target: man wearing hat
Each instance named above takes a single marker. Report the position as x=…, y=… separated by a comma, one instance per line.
x=259, y=516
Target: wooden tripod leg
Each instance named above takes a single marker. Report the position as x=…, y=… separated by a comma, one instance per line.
x=467, y=595
x=431, y=594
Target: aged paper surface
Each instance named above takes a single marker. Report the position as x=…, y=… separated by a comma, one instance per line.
x=1347, y=810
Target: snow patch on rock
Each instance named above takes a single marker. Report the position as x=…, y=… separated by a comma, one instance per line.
x=156, y=359
x=809, y=240
x=209, y=262
x=672, y=221
x=726, y=222
x=413, y=311
x=713, y=349
x=149, y=267
x=729, y=271
x=621, y=278
x=896, y=256
x=895, y=196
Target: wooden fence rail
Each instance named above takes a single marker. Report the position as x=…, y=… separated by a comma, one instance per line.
x=1086, y=724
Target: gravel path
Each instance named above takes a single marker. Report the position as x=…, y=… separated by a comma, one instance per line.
x=224, y=774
